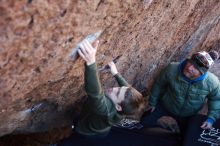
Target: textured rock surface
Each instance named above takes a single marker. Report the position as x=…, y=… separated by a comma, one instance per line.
x=40, y=88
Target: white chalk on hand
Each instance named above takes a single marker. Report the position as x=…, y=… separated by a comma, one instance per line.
x=90, y=38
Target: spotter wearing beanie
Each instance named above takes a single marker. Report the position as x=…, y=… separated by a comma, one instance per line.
x=203, y=60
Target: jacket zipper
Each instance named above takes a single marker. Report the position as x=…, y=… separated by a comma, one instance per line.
x=185, y=98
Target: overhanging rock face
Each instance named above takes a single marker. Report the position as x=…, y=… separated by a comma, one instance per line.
x=40, y=88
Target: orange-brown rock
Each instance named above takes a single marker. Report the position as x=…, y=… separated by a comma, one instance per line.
x=40, y=88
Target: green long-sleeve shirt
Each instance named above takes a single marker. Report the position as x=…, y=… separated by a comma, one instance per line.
x=99, y=112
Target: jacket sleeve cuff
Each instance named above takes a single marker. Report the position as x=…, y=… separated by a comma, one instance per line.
x=210, y=120
x=91, y=66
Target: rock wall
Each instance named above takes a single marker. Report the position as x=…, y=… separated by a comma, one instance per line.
x=41, y=88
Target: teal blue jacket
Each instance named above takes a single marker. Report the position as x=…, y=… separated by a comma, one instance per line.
x=183, y=98
x=99, y=112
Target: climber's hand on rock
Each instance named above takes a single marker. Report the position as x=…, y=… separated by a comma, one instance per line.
x=113, y=68
x=88, y=51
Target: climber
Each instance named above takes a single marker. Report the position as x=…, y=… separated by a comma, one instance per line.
x=102, y=110
x=181, y=90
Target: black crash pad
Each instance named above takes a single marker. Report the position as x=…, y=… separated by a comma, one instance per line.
x=127, y=137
